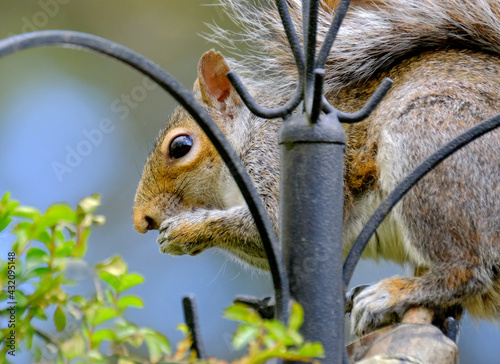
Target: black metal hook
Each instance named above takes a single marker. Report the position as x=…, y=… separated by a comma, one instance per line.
x=319, y=75
x=258, y=110
x=192, y=322
x=290, y=105
x=291, y=34
x=265, y=307
x=369, y=105
x=340, y=13
x=308, y=76
x=367, y=108
x=309, y=29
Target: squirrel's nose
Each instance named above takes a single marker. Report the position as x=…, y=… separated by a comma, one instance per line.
x=146, y=219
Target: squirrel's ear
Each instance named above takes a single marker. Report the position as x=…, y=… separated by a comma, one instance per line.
x=215, y=88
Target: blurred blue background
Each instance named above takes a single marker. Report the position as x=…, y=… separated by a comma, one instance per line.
x=52, y=99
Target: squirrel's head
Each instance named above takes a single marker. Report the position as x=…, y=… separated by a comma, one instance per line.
x=183, y=172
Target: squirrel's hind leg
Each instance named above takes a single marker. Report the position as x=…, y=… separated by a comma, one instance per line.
x=440, y=288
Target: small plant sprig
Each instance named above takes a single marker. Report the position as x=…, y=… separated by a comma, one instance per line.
x=47, y=245
x=269, y=338
x=35, y=287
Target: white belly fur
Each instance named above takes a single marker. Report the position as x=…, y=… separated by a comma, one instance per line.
x=391, y=241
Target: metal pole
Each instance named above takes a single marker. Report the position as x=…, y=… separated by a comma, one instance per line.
x=311, y=208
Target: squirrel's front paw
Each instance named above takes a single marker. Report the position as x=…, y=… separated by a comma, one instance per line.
x=183, y=234
x=378, y=305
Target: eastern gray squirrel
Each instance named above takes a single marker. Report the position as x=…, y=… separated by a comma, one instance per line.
x=444, y=58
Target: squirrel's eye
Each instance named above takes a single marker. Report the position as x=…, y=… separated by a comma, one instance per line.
x=180, y=146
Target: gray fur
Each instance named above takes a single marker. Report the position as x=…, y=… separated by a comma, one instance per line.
x=444, y=58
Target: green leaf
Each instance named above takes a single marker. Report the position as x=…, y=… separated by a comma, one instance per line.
x=26, y=212
x=38, y=272
x=65, y=250
x=49, y=290
x=109, y=297
x=5, y=198
x=98, y=220
x=88, y=205
x=297, y=338
x=4, y=222
x=73, y=347
x=110, y=279
x=36, y=257
x=99, y=336
x=278, y=331
x=158, y=346
x=312, y=350
x=243, y=335
x=115, y=266
x=184, y=329
x=130, y=280
x=59, y=318
x=135, y=340
x=239, y=312
x=79, y=300
x=23, y=233
x=296, y=317
x=38, y=313
x=6, y=208
x=58, y=237
x=102, y=315
x=126, y=361
x=86, y=222
x=28, y=340
x=130, y=301
x=21, y=299
x=56, y=214
x=269, y=342
x=44, y=237
x=37, y=354
x=125, y=331
x=96, y=356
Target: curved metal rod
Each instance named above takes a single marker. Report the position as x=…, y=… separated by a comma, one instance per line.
x=326, y=107
x=340, y=13
x=403, y=187
x=260, y=111
x=290, y=105
x=310, y=24
x=369, y=106
x=452, y=328
x=147, y=67
x=192, y=322
x=366, y=110
x=291, y=35
x=319, y=75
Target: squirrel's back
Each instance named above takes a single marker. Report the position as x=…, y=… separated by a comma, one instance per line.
x=378, y=38
x=375, y=35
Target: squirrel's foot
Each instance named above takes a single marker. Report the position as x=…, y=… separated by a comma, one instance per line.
x=181, y=234
x=378, y=305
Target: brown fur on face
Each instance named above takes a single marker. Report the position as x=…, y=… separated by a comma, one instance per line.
x=169, y=187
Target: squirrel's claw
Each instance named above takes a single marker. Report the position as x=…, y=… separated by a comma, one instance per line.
x=178, y=236
x=375, y=306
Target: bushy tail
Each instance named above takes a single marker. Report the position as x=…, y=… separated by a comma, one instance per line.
x=374, y=36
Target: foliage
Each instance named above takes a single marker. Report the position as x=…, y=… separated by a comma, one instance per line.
x=36, y=287
x=268, y=339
